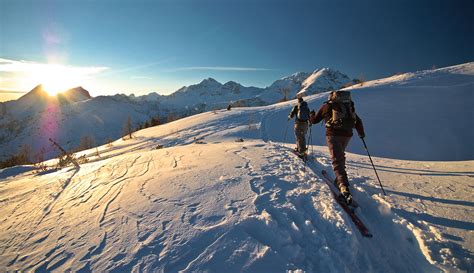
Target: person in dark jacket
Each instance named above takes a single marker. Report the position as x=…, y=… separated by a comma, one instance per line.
x=301, y=114
x=338, y=136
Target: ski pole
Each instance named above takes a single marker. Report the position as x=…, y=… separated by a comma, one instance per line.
x=376, y=174
x=309, y=140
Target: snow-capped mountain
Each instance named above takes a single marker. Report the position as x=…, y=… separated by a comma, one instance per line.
x=322, y=80
x=75, y=114
x=292, y=83
x=38, y=99
x=208, y=94
x=187, y=197
x=74, y=95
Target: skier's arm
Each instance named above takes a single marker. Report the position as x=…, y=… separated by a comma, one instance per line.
x=293, y=112
x=316, y=118
x=359, y=127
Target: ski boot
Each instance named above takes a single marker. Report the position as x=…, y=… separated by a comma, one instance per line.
x=346, y=196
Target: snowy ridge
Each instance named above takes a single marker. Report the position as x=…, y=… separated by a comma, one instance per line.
x=447, y=76
x=78, y=115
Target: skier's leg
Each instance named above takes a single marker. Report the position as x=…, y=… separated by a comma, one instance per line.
x=300, y=137
x=304, y=131
x=336, y=145
x=296, y=136
x=344, y=142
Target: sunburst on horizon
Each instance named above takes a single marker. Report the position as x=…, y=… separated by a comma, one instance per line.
x=56, y=80
x=54, y=77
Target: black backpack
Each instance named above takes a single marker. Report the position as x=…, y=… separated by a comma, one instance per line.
x=303, y=111
x=343, y=114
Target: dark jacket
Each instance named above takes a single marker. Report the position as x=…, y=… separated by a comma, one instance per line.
x=294, y=112
x=325, y=112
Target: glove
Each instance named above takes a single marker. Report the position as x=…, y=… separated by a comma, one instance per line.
x=362, y=135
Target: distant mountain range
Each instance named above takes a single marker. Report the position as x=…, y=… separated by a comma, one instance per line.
x=69, y=116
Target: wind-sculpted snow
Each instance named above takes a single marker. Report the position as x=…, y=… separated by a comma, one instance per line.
x=184, y=208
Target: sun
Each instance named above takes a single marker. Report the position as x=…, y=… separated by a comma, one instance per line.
x=56, y=86
x=56, y=80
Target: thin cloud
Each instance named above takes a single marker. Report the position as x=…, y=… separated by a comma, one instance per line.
x=12, y=92
x=22, y=66
x=218, y=68
x=140, y=78
x=133, y=68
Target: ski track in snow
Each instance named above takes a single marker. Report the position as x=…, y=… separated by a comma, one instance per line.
x=205, y=202
x=295, y=220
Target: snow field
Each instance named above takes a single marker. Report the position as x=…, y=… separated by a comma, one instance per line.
x=207, y=202
x=250, y=206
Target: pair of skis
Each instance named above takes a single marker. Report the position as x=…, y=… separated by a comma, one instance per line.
x=349, y=209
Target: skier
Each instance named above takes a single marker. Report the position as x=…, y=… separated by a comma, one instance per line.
x=340, y=118
x=301, y=112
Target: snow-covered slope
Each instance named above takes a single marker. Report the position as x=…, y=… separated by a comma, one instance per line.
x=426, y=115
x=206, y=202
x=68, y=117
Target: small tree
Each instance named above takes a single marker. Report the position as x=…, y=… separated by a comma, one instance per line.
x=66, y=157
x=22, y=157
x=127, y=128
x=39, y=161
x=39, y=156
x=24, y=154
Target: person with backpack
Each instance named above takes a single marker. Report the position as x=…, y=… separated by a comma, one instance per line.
x=340, y=119
x=301, y=112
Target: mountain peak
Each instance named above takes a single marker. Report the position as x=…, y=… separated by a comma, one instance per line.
x=298, y=76
x=231, y=84
x=37, y=92
x=77, y=91
x=209, y=81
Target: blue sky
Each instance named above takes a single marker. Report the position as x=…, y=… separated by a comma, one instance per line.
x=144, y=46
